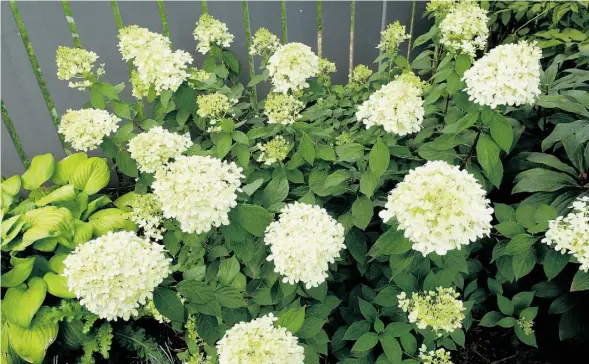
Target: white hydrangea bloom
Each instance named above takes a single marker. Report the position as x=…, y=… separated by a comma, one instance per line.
x=303, y=242
x=198, y=191
x=146, y=212
x=157, y=146
x=259, y=341
x=211, y=31
x=439, y=356
x=291, y=65
x=570, y=234
x=508, y=75
x=397, y=107
x=361, y=73
x=440, y=207
x=392, y=36
x=155, y=62
x=440, y=310
x=77, y=63
x=282, y=108
x=86, y=128
x=464, y=29
x=116, y=273
x=264, y=43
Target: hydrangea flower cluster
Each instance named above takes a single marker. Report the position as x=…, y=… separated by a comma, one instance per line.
x=264, y=43
x=213, y=106
x=196, y=76
x=326, y=66
x=86, y=128
x=397, y=107
x=437, y=218
x=303, y=242
x=146, y=212
x=259, y=341
x=282, y=108
x=115, y=273
x=439, y=356
x=210, y=31
x=570, y=234
x=274, y=151
x=464, y=29
x=150, y=310
x=198, y=191
x=157, y=146
x=343, y=138
x=391, y=37
x=526, y=325
x=508, y=75
x=156, y=64
x=291, y=65
x=441, y=310
x=441, y=7
x=361, y=73
x=77, y=63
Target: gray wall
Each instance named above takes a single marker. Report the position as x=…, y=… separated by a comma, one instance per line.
x=47, y=28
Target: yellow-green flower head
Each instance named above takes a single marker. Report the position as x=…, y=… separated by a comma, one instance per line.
x=410, y=78
x=440, y=310
x=76, y=63
x=157, y=146
x=213, y=106
x=570, y=234
x=274, y=151
x=326, y=66
x=264, y=43
x=210, y=31
x=282, y=108
x=343, y=138
x=361, y=74
x=146, y=212
x=291, y=65
x=437, y=218
x=526, y=325
x=190, y=327
x=152, y=311
x=391, y=37
x=198, y=359
x=116, y=273
x=86, y=128
x=441, y=7
x=196, y=76
x=439, y=356
x=259, y=341
x=464, y=29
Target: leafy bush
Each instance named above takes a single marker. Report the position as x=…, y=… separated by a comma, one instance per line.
x=381, y=221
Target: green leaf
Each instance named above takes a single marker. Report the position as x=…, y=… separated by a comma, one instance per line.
x=223, y=144
x=126, y=164
x=228, y=269
x=409, y=343
x=504, y=212
x=230, y=297
x=168, y=304
x=368, y=183
x=19, y=273
x=526, y=339
x=463, y=62
x=505, y=305
x=111, y=219
x=230, y=61
x=507, y=322
x=325, y=152
x=97, y=98
x=357, y=329
x=350, y=152
x=366, y=342
x=121, y=109
x=252, y=218
x=66, y=167
x=580, y=281
x=397, y=329
x=540, y=179
x=524, y=263
x=379, y=158
x=195, y=292
x=39, y=172
x=20, y=303
x=520, y=244
x=63, y=193
x=488, y=157
x=292, y=318
x=391, y=348
x=356, y=245
x=502, y=133
x=57, y=285
x=367, y=310
x=336, y=178
x=551, y=161
x=491, y=319
x=31, y=343
x=307, y=149
x=462, y=124
x=311, y=327
x=91, y=176
x=510, y=229
x=554, y=263
x=362, y=212
x=525, y=215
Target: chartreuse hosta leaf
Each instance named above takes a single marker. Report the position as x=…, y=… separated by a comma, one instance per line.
x=57, y=285
x=11, y=186
x=10, y=228
x=31, y=343
x=22, y=268
x=47, y=222
x=107, y=220
x=22, y=302
x=63, y=193
x=66, y=167
x=91, y=175
x=41, y=169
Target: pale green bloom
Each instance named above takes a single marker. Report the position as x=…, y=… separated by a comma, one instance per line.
x=146, y=211
x=76, y=63
x=86, y=128
x=441, y=7
x=391, y=37
x=264, y=43
x=274, y=151
x=410, y=78
x=282, y=108
x=157, y=146
x=440, y=310
x=196, y=76
x=464, y=29
x=213, y=106
x=343, y=138
x=211, y=31
x=439, y=356
x=152, y=311
x=526, y=325
x=326, y=66
x=361, y=73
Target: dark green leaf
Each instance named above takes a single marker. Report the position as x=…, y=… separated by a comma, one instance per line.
x=168, y=304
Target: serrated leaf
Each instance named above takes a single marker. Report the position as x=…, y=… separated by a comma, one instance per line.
x=379, y=158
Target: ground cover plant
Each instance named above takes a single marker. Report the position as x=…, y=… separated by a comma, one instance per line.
x=431, y=211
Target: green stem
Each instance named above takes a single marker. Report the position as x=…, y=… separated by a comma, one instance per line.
x=320, y=28
x=204, y=7
x=250, y=58
x=71, y=23
x=15, y=139
x=283, y=20
x=163, y=17
x=410, y=33
x=351, y=53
